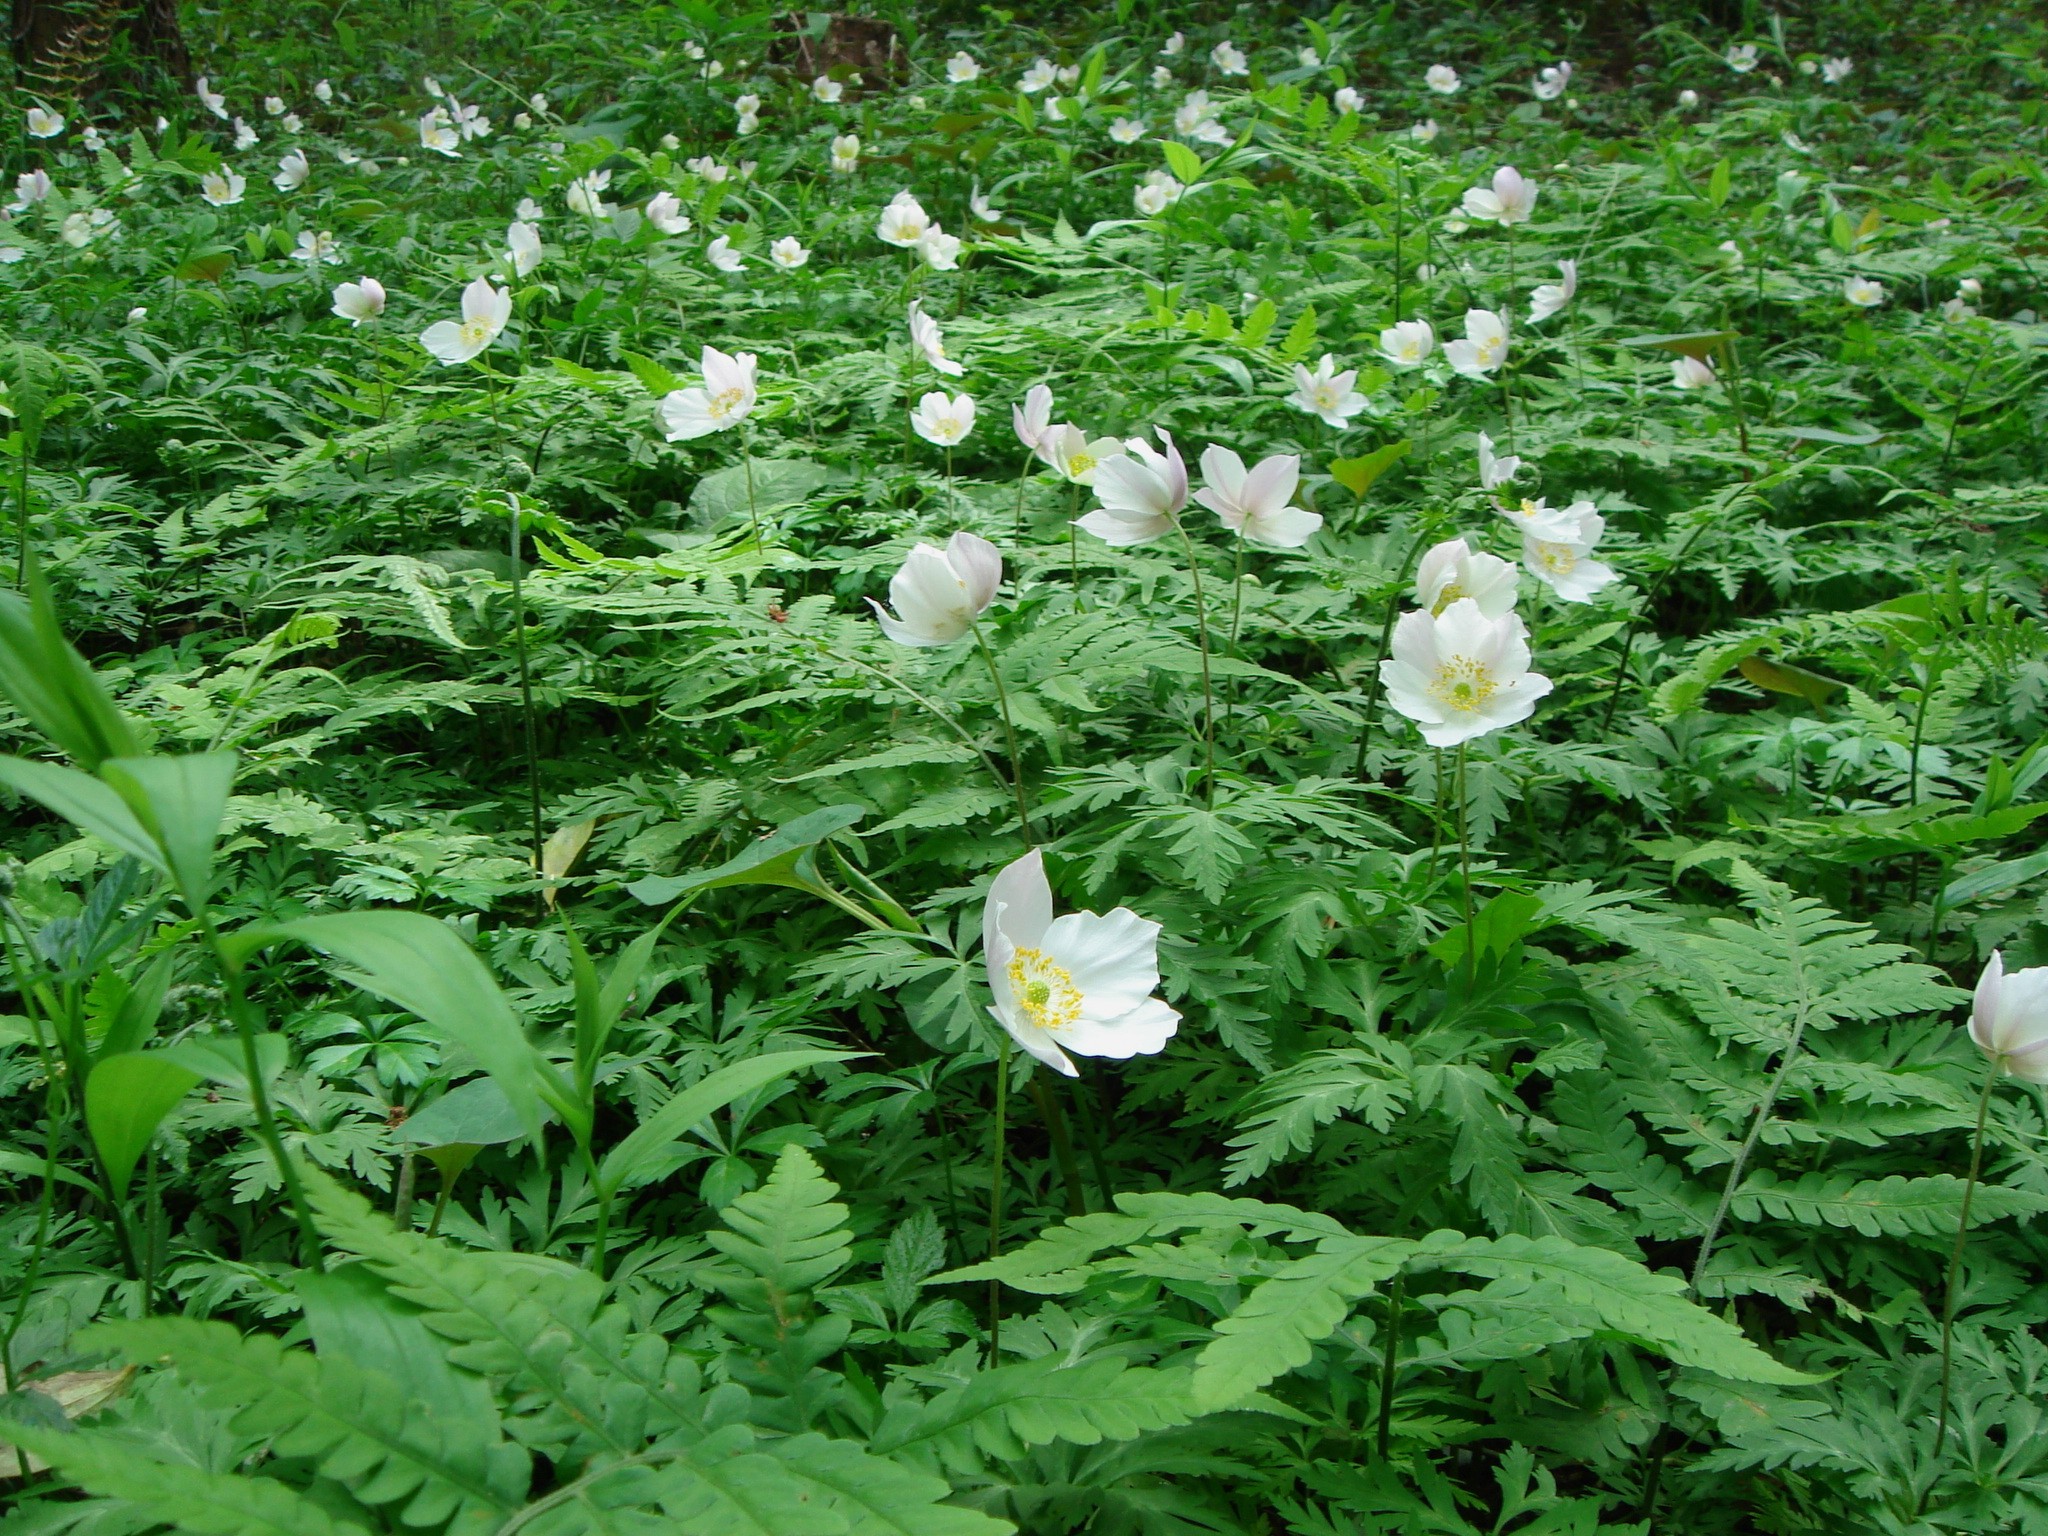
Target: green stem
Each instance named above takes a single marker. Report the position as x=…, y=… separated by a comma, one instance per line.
x=747, y=460
x=995, y=1197
x=1017, y=516
x=525, y=688
x=1465, y=872
x=1062, y=1144
x=1372, y=697
x=1208, y=685
x=1735, y=1169
x=21, y=513
x=1955, y=1256
x=604, y=1222
x=1390, y=1348
x=1009, y=735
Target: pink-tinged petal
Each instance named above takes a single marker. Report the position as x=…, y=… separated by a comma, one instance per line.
x=1223, y=476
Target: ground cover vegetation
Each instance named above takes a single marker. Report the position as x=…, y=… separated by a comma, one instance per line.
x=1161, y=771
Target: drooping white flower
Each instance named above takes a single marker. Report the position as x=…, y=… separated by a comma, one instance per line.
x=1741, y=57
x=1510, y=200
x=1408, y=343
x=1162, y=78
x=1425, y=132
x=1080, y=983
x=1309, y=58
x=522, y=247
x=940, y=250
x=939, y=593
x=138, y=314
x=585, y=195
x=1970, y=288
x=788, y=253
x=1127, y=130
x=32, y=187
x=1141, y=491
x=1564, y=566
x=1835, y=71
x=1228, y=58
x=1174, y=45
x=1549, y=298
x=359, y=301
x=77, y=230
x=664, y=211
x=42, y=123
x=961, y=69
x=1692, y=373
x=725, y=398
x=1459, y=674
x=1863, y=292
x=1484, y=347
x=485, y=313
x=1030, y=419
x=439, y=135
x=1257, y=502
x=982, y=209
x=1550, y=83
x=1442, y=79
x=2009, y=1018
x=1326, y=393
x=1536, y=518
x=1495, y=471
x=904, y=222
x=943, y=419
x=846, y=153
x=1073, y=455
x=1347, y=99
x=213, y=101
x=722, y=256
x=827, y=90
x=928, y=339
x=292, y=172
x=1035, y=79
x=432, y=87
x=222, y=188
x=317, y=246
x=1453, y=570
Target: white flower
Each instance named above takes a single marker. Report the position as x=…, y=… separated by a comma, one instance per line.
x=926, y=337
x=722, y=256
x=1174, y=45
x=1426, y=272
x=725, y=398
x=1310, y=59
x=222, y=188
x=707, y=168
x=11, y=254
x=827, y=90
x=1742, y=57
x=1326, y=393
x=32, y=187
x=1068, y=75
x=470, y=122
x=1692, y=372
x=292, y=123
x=1209, y=131
x=1228, y=58
x=1140, y=489
x=529, y=211
x=1154, y=195
x=522, y=247
x=1460, y=674
x=1127, y=130
x=1257, y=502
x=788, y=253
x=584, y=195
x=1732, y=251
x=713, y=70
x=939, y=249
x=43, y=123
x=1538, y=519
x=323, y=92
x=317, y=247
x=292, y=172
x=538, y=101
x=1074, y=455
x=1495, y=472
x=92, y=140
x=1957, y=308
x=1162, y=78
x=1194, y=110
x=485, y=311
x=245, y=136
x=1688, y=99
x=747, y=105
x=273, y=106
x=1408, y=344
x=1083, y=981
x=2009, y=1019
x=137, y=315
x=1035, y=79
x=1863, y=292
x=1549, y=298
x=436, y=134
x=939, y=593
x=942, y=419
x=961, y=69
x=1484, y=348
x=1510, y=200
x=432, y=86
x=1550, y=83
x=1562, y=564
x=1835, y=71
x=980, y=208
x=664, y=211
x=1425, y=132
x=903, y=222
x=76, y=230
x=1970, y=288
x=1453, y=570
x=211, y=100
x=846, y=153
x=360, y=300
x=1442, y=79
x=1033, y=418
x=1347, y=99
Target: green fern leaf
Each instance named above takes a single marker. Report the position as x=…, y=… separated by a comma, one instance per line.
x=1038, y=1402
x=1890, y=1207
x=789, y=1235
x=879, y=1497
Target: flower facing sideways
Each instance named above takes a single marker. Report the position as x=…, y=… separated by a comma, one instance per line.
x=940, y=250
x=1495, y=470
x=1442, y=79
x=1326, y=393
x=903, y=222
x=1408, y=344
x=788, y=253
x=943, y=420
x=1510, y=200
x=1073, y=455
x=522, y=247
x=722, y=256
x=292, y=172
x=1141, y=491
x=1484, y=347
x=725, y=398
x=939, y=593
x=1257, y=502
x=42, y=123
x=1692, y=372
x=485, y=312
x=1557, y=544
x=928, y=339
x=1032, y=418
x=360, y=300
x=1080, y=983
x=846, y=153
x=1549, y=298
x=665, y=212
x=1453, y=570
x=1459, y=674
x=2009, y=1021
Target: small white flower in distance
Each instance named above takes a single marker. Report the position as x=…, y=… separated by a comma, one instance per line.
x=1550, y=83
x=1688, y=99
x=1309, y=58
x=713, y=70
x=1425, y=132
x=1347, y=99
x=939, y=593
x=1863, y=292
x=1442, y=79
x=1510, y=200
x=1210, y=131
x=245, y=136
x=929, y=340
x=1140, y=491
x=1732, y=251
x=722, y=256
x=538, y=101
x=943, y=419
x=664, y=211
x=1495, y=471
x=360, y=300
x=274, y=106
x=788, y=253
x=292, y=123
x=1459, y=674
x=1453, y=570
x=1155, y=194
x=323, y=92
x=485, y=313
x=827, y=90
x=1808, y=66
x=748, y=123
x=2009, y=1018
x=1073, y=455
x=940, y=250
x=1564, y=566
x=1080, y=983
x=961, y=69
x=980, y=207
x=1326, y=393
x=1035, y=79
x=1162, y=78
x=76, y=230
x=1068, y=75
x=1426, y=272
x=1691, y=372
x=318, y=246
x=92, y=140
x=522, y=247
x=1742, y=57
x=42, y=123
x=530, y=211
x=1174, y=45
x=1127, y=130
x=137, y=315
x=222, y=188
x=213, y=101
x=1257, y=502
x=437, y=134
x=725, y=398
x=585, y=195
x=1835, y=71
x=10, y=254
x=1957, y=308
x=1970, y=288
x=1033, y=418
x=1228, y=58
x=1538, y=519
x=1408, y=344
x=747, y=105
x=433, y=86
x=1549, y=298
x=904, y=222
x=292, y=172
x=846, y=153
x=1484, y=348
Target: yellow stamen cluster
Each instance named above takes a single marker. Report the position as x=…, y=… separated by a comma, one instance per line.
x=1463, y=684
x=726, y=401
x=1044, y=990
x=1558, y=559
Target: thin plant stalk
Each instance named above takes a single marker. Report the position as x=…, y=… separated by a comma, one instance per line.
x=21, y=512
x=1507, y=360
x=747, y=460
x=1955, y=1257
x=1390, y=1347
x=1017, y=516
x=1236, y=615
x=1062, y=1143
x=1742, y=1153
x=1009, y=735
x=1398, y=179
x=525, y=688
x=1465, y=868
x=1628, y=640
x=995, y=1196
x=1208, y=684
x=1372, y=698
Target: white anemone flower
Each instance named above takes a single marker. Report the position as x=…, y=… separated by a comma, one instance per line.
x=664, y=211
x=1257, y=502
x=940, y=250
x=942, y=419
x=725, y=398
x=323, y=92
x=1453, y=570
x=1495, y=471
x=962, y=69
x=1692, y=373
x=1074, y=456
x=1688, y=99
x=1326, y=393
x=939, y=593
x=788, y=253
x=522, y=247
x=437, y=134
x=1863, y=292
x=1425, y=132
x=1484, y=347
x=1162, y=78
x=213, y=101
x=585, y=195
x=1549, y=298
x=1228, y=58
x=359, y=301
x=904, y=222
x=1408, y=344
x=32, y=187
x=1835, y=71
x=1563, y=564
x=222, y=188
x=42, y=123
x=926, y=336
x=1459, y=674
x=1741, y=57
x=1550, y=83
x=827, y=90
x=1510, y=200
x=1174, y=45
x=1033, y=418
x=982, y=209
x=722, y=256
x=318, y=246
x=1035, y=79
x=246, y=137
x=485, y=312
x=846, y=153
x=1141, y=490
x=1535, y=518
x=2009, y=1018
x=273, y=106
x=1080, y=983
x=1442, y=79
x=1347, y=98
x=292, y=172
x=1156, y=193
x=1127, y=130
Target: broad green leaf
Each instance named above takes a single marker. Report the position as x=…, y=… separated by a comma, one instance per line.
x=85, y=802
x=1357, y=475
x=180, y=800
x=1272, y=1332
x=50, y=683
x=473, y=1114
x=1783, y=677
x=126, y=1099
x=778, y=484
x=784, y=857
x=1184, y=163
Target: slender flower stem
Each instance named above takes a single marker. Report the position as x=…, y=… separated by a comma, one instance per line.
x=1955, y=1257
x=747, y=459
x=1736, y=1168
x=1236, y=615
x=1390, y=1349
x=1507, y=359
x=995, y=1197
x=1017, y=516
x=1074, y=539
x=1062, y=1143
x=1398, y=179
x=1208, y=684
x=1010, y=735
x=1465, y=870
x=1628, y=640
x=21, y=510
x=525, y=688
x=1372, y=697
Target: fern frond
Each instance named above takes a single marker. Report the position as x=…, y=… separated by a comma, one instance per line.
x=1037, y=1402
x=879, y=1497
x=1890, y=1207
x=789, y=1236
